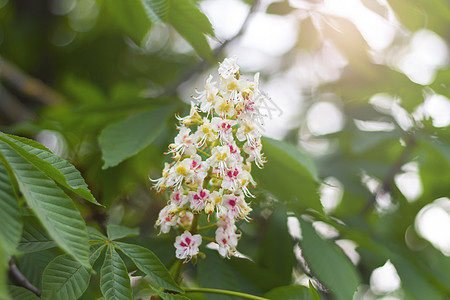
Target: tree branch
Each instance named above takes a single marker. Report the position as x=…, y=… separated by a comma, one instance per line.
x=388, y=181
x=20, y=279
x=28, y=85
x=201, y=66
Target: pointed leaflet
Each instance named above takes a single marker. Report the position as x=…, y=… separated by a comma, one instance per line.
x=3, y=271
x=291, y=292
x=146, y=261
x=192, y=24
x=289, y=174
x=327, y=261
x=20, y=293
x=53, y=208
x=130, y=18
x=34, y=237
x=156, y=10
x=10, y=224
x=52, y=165
x=126, y=138
x=116, y=232
x=65, y=278
x=114, y=279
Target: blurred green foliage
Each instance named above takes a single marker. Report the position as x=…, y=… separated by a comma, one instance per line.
x=108, y=76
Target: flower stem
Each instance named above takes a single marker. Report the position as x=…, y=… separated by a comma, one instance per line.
x=203, y=152
x=207, y=227
x=177, y=273
x=223, y=292
x=194, y=226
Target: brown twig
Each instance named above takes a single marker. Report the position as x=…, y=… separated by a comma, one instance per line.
x=201, y=66
x=388, y=181
x=20, y=279
x=28, y=85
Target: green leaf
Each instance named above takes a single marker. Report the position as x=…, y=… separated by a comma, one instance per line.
x=157, y=10
x=146, y=261
x=290, y=292
x=54, y=209
x=130, y=16
x=167, y=296
x=126, y=138
x=20, y=293
x=289, y=174
x=95, y=234
x=114, y=280
x=34, y=236
x=328, y=263
x=214, y=272
x=192, y=24
x=313, y=292
x=10, y=223
x=116, y=232
x=3, y=270
x=52, y=165
x=278, y=243
x=65, y=278
x=414, y=282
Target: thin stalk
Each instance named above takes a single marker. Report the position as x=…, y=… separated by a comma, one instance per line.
x=194, y=226
x=207, y=227
x=209, y=239
x=177, y=273
x=223, y=292
x=203, y=152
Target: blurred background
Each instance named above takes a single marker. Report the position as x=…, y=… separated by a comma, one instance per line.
x=363, y=87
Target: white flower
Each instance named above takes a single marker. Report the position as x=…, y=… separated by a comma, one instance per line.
x=227, y=239
x=178, y=172
x=187, y=245
x=207, y=98
x=160, y=183
x=248, y=131
x=167, y=218
x=205, y=133
x=184, y=143
x=254, y=152
x=235, y=207
x=185, y=220
x=225, y=107
x=228, y=67
x=198, y=171
x=220, y=155
x=178, y=198
x=224, y=128
x=198, y=199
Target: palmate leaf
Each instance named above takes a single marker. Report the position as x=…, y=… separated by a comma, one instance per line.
x=146, y=261
x=20, y=293
x=34, y=236
x=289, y=174
x=289, y=292
x=116, y=232
x=52, y=165
x=114, y=279
x=10, y=224
x=54, y=209
x=130, y=17
x=327, y=261
x=192, y=24
x=3, y=271
x=126, y=138
x=65, y=278
x=277, y=242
